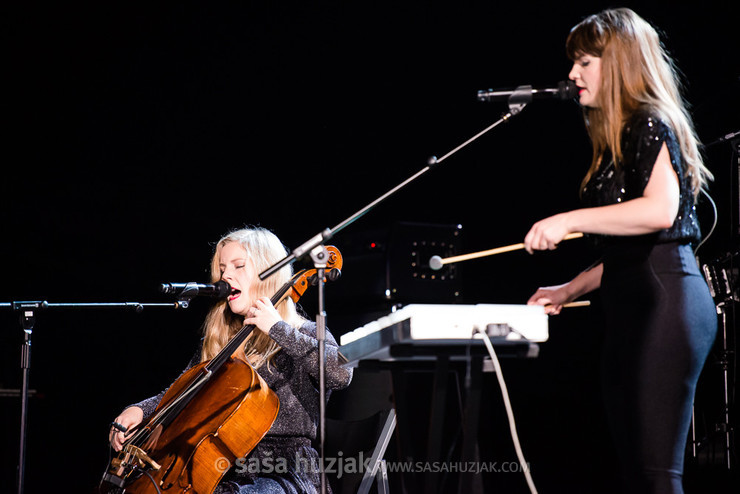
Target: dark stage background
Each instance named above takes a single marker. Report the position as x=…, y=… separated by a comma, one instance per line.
x=136, y=134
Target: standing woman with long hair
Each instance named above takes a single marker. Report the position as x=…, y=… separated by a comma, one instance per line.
x=640, y=194
x=283, y=349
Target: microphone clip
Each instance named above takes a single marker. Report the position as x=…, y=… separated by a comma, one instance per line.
x=520, y=98
x=186, y=295
x=517, y=99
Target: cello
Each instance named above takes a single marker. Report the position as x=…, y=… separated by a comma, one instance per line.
x=214, y=413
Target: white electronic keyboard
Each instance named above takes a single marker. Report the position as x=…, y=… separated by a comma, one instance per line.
x=436, y=326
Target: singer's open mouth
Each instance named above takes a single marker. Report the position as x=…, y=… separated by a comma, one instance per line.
x=234, y=293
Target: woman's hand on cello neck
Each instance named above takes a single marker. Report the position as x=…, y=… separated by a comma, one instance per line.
x=263, y=314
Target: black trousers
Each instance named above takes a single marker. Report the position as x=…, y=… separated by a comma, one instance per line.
x=661, y=324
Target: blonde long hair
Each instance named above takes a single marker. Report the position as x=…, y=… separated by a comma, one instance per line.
x=263, y=249
x=636, y=72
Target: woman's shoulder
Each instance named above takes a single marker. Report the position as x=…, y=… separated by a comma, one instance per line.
x=647, y=122
x=644, y=134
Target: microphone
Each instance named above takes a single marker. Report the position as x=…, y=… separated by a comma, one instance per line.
x=565, y=90
x=220, y=289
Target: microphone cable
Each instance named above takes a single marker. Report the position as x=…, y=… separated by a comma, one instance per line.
x=509, y=412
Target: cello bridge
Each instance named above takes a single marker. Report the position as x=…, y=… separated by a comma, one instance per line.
x=133, y=458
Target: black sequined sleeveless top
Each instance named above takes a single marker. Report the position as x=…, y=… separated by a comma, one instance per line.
x=642, y=139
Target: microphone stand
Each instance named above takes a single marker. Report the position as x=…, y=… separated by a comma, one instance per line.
x=27, y=311
x=315, y=247
x=735, y=143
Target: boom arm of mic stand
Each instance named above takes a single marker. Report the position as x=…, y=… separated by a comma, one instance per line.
x=515, y=106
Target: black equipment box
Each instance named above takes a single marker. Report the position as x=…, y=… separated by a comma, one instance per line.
x=389, y=266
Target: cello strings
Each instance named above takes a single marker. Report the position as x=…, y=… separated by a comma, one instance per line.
x=143, y=434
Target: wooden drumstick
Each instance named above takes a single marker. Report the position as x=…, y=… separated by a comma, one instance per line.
x=437, y=262
x=577, y=303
